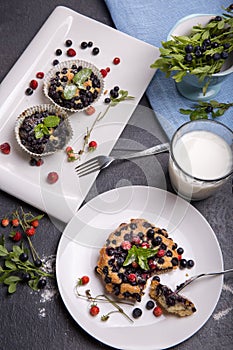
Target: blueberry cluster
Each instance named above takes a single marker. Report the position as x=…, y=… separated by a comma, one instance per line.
x=49, y=142
x=210, y=50
x=84, y=96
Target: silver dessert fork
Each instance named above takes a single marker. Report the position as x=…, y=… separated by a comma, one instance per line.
x=194, y=278
x=101, y=162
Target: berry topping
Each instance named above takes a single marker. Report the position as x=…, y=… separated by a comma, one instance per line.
x=52, y=177
x=5, y=148
x=126, y=245
x=71, y=52
x=94, y=310
x=160, y=253
x=137, y=312
x=33, y=84
x=116, y=60
x=157, y=311
x=132, y=277
x=40, y=75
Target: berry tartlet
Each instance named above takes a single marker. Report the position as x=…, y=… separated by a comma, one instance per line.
x=74, y=85
x=43, y=130
x=133, y=253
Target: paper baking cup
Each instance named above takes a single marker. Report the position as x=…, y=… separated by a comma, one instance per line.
x=68, y=64
x=53, y=110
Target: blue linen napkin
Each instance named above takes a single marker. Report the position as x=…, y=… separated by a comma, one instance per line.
x=151, y=21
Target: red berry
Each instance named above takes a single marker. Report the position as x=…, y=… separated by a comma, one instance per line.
x=179, y=257
x=69, y=149
x=94, y=310
x=5, y=222
x=5, y=148
x=16, y=236
x=30, y=231
x=92, y=146
x=33, y=84
x=116, y=60
x=108, y=69
x=15, y=222
x=126, y=245
x=40, y=75
x=71, y=52
x=152, y=264
x=83, y=280
x=145, y=245
x=90, y=110
x=35, y=223
x=134, y=264
x=136, y=239
x=132, y=277
x=39, y=162
x=103, y=72
x=160, y=253
x=157, y=311
x=52, y=177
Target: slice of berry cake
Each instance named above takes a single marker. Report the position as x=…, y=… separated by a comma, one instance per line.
x=170, y=301
x=133, y=253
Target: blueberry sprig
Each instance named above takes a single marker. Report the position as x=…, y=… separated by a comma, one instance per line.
x=202, y=53
x=203, y=110
x=16, y=268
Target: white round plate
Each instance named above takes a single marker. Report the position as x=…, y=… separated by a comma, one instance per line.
x=78, y=253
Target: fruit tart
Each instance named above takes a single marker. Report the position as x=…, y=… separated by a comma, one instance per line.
x=73, y=85
x=133, y=253
x=42, y=130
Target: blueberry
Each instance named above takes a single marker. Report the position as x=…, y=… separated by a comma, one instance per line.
x=29, y=91
x=214, y=45
x=33, y=162
x=68, y=43
x=55, y=62
x=218, y=18
x=26, y=277
x=41, y=283
x=226, y=46
x=156, y=278
x=207, y=42
x=58, y=52
x=137, y=312
x=198, y=53
x=180, y=251
x=150, y=305
x=209, y=109
x=216, y=56
x=190, y=263
x=156, y=241
x=224, y=55
x=83, y=45
x=90, y=44
x=188, y=48
x=95, y=51
x=23, y=257
x=38, y=263
x=188, y=57
x=171, y=300
x=174, y=261
x=183, y=263
x=150, y=233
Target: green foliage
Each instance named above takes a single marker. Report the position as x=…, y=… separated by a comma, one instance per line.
x=203, y=110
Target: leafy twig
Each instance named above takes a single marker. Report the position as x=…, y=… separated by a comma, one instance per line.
x=203, y=110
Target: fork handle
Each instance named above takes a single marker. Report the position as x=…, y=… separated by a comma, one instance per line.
x=163, y=147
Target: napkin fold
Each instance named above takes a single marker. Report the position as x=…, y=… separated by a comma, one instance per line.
x=151, y=21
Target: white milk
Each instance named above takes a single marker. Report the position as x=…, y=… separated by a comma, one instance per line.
x=203, y=155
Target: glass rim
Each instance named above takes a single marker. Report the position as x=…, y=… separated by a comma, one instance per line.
x=185, y=172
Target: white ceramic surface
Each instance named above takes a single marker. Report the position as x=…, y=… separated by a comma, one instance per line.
x=78, y=252
x=63, y=198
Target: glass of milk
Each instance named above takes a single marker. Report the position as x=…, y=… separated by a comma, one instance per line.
x=201, y=158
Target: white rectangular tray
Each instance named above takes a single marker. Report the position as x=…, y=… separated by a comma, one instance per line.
x=133, y=74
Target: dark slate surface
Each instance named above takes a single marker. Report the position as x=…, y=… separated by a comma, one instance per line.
x=31, y=320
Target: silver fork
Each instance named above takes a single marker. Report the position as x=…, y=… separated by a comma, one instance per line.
x=101, y=162
x=194, y=278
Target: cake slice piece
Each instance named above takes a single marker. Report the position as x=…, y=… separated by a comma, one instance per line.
x=170, y=301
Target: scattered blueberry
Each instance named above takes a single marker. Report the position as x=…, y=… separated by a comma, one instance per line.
x=137, y=312
x=150, y=305
x=190, y=263
x=68, y=43
x=29, y=91
x=90, y=44
x=58, y=52
x=83, y=45
x=55, y=62
x=95, y=51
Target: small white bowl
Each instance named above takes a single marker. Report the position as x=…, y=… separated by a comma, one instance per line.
x=190, y=86
x=51, y=146
x=68, y=64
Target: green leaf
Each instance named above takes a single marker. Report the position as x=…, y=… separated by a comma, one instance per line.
x=12, y=288
x=179, y=76
x=10, y=265
x=38, y=130
x=3, y=251
x=33, y=283
x=11, y=279
x=195, y=115
x=69, y=91
x=185, y=111
x=17, y=250
x=51, y=121
x=38, y=217
x=140, y=255
x=80, y=77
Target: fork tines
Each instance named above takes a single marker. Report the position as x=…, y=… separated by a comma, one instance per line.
x=88, y=167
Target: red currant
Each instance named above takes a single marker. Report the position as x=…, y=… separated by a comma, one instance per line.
x=103, y=72
x=160, y=253
x=40, y=75
x=126, y=245
x=30, y=231
x=116, y=60
x=5, y=148
x=71, y=52
x=92, y=146
x=157, y=311
x=94, y=310
x=33, y=84
x=52, y=177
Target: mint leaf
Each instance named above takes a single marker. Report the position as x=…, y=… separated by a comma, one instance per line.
x=3, y=251
x=69, y=91
x=80, y=77
x=51, y=121
x=140, y=255
x=38, y=130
